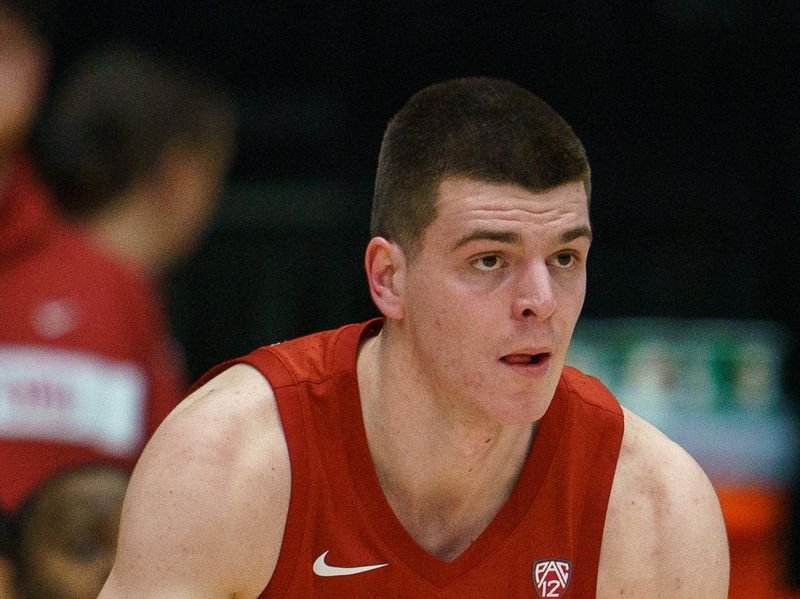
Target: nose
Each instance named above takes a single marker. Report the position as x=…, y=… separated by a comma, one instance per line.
x=534, y=296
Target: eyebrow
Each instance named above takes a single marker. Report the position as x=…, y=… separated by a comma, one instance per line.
x=576, y=233
x=512, y=237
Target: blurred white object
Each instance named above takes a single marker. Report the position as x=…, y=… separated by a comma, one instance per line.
x=714, y=386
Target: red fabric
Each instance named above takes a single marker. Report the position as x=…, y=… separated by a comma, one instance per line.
x=556, y=513
x=63, y=299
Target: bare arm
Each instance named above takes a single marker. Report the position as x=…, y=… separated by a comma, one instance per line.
x=206, y=506
x=664, y=534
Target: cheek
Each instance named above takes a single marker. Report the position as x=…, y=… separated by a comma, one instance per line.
x=451, y=318
x=571, y=294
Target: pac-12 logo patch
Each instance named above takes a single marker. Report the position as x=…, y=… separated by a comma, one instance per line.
x=551, y=577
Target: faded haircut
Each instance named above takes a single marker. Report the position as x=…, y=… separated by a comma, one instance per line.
x=485, y=129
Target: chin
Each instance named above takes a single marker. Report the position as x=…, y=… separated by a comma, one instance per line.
x=521, y=411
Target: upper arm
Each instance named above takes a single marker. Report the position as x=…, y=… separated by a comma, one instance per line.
x=664, y=533
x=206, y=506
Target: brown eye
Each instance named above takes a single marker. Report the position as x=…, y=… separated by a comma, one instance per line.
x=488, y=263
x=565, y=260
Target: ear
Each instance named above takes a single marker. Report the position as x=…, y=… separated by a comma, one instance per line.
x=385, y=264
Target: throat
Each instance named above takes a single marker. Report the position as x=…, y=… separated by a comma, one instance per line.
x=445, y=477
x=448, y=530
x=446, y=509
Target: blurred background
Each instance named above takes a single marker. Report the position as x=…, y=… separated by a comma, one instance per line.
x=689, y=113
x=688, y=109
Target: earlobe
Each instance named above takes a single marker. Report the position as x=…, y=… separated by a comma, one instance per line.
x=385, y=265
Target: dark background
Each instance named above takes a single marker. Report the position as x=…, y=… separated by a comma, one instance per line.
x=688, y=110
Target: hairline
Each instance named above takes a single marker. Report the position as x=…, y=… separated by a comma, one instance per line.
x=411, y=247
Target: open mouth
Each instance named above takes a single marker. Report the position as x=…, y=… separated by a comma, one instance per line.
x=525, y=358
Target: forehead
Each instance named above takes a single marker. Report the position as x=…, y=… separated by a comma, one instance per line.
x=464, y=205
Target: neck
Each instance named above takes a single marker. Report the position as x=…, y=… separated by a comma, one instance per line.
x=446, y=474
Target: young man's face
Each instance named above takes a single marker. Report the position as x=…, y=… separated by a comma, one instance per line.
x=492, y=297
x=23, y=63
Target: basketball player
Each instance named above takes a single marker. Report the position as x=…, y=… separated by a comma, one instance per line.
x=444, y=450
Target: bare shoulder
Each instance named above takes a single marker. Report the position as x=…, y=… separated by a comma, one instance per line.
x=664, y=533
x=207, y=503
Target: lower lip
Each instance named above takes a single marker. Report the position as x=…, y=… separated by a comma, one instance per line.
x=532, y=370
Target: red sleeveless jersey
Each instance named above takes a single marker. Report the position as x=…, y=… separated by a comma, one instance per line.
x=343, y=540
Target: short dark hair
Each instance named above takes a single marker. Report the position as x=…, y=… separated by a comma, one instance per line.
x=486, y=129
x=115, y=114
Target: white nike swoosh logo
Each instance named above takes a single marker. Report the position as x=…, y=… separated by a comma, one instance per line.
x=322, y=569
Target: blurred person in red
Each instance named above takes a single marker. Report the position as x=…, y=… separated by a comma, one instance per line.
x=136, y=151
x=88, y=368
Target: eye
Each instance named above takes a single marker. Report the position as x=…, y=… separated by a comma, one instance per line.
x=488, y=263
x=565, y=260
